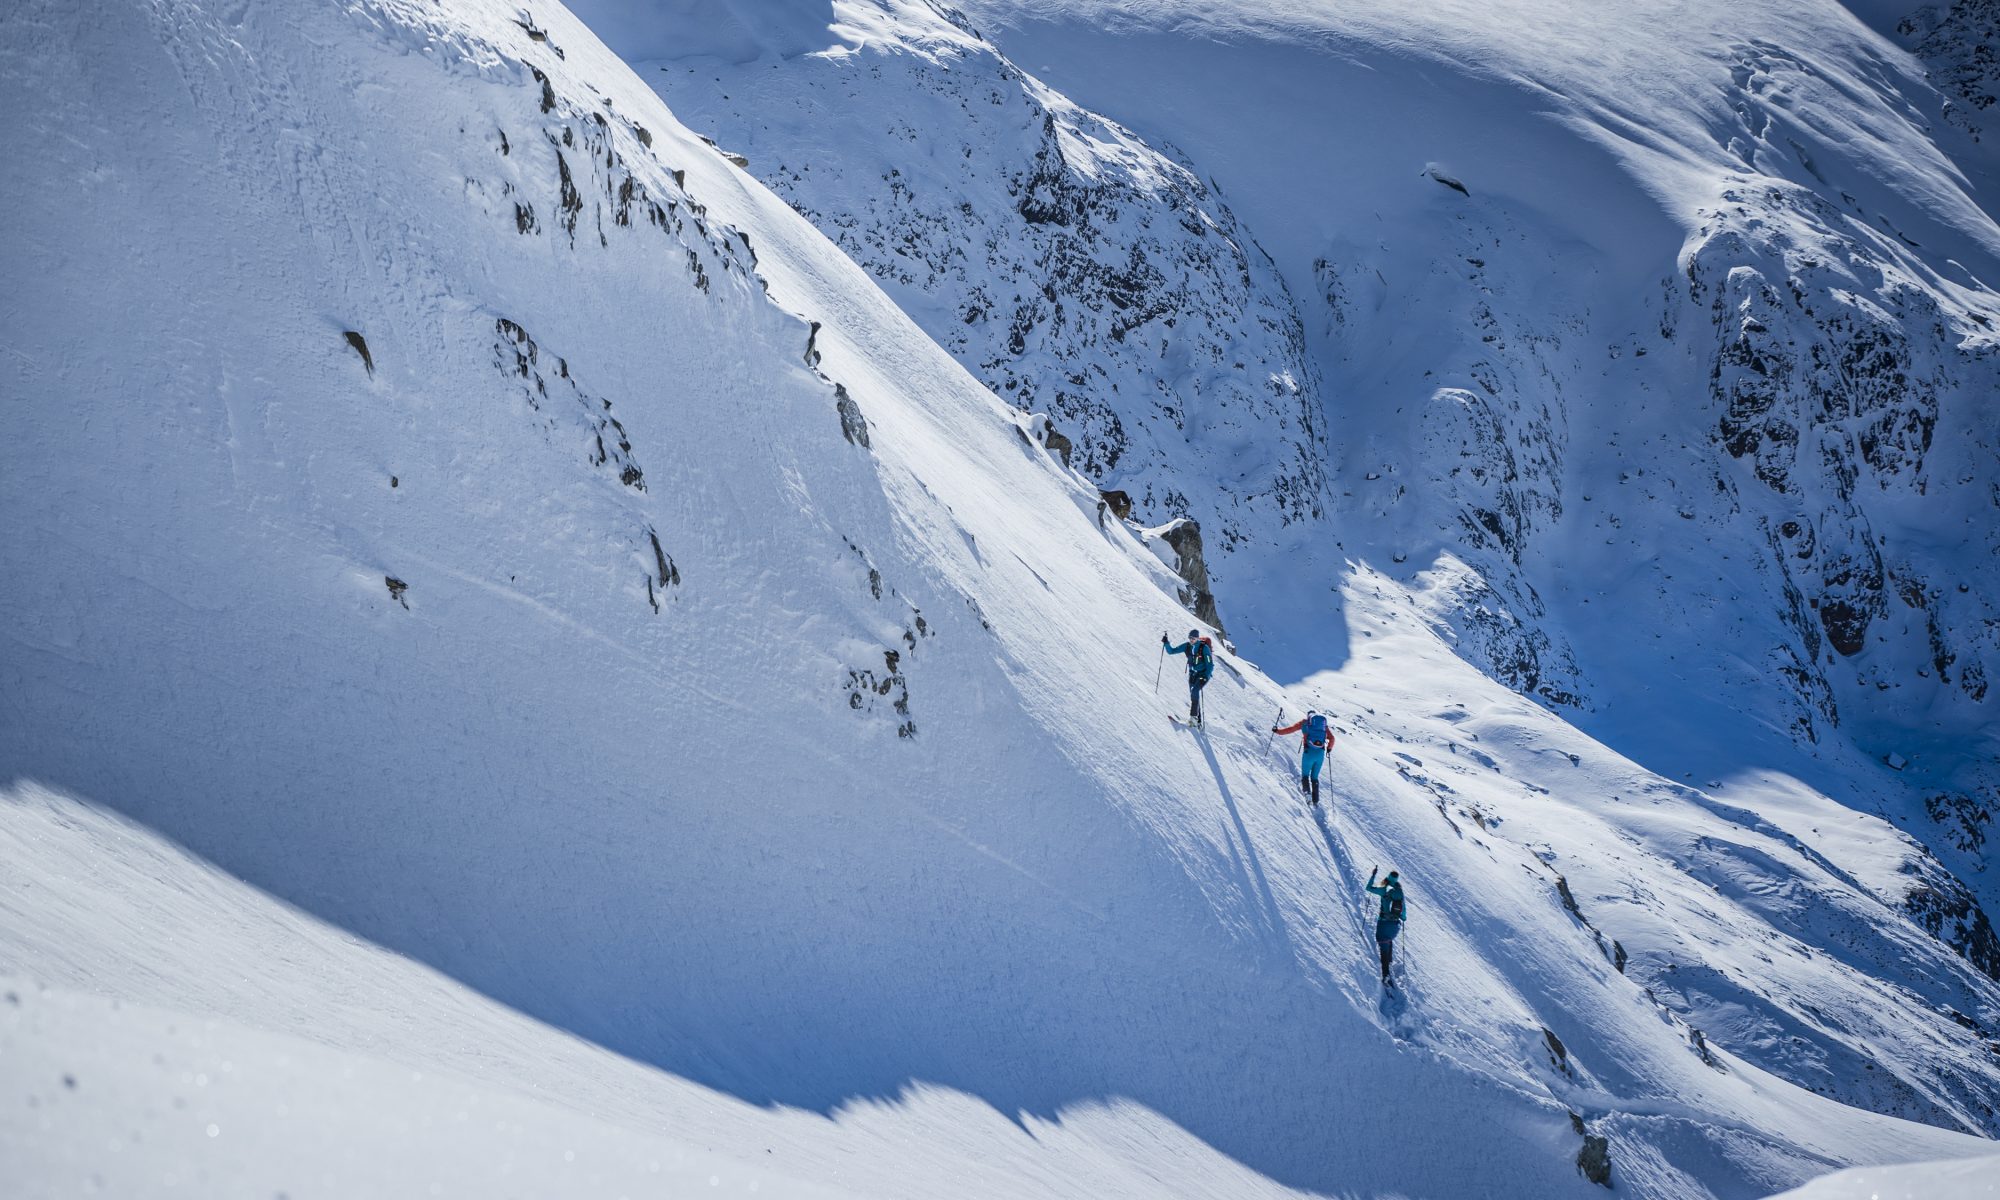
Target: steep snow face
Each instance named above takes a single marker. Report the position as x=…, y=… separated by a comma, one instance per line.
x=1486, y=295
x=1660, y=374
x=1800, y=172
x=180, y=1030
x=1665, y=370
x=447, y=498
x=1075, y=269
x=1961, y=1179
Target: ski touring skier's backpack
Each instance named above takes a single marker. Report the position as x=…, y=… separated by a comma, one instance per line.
x=1316, y=732
x=1396, y=905
x=1201, y=654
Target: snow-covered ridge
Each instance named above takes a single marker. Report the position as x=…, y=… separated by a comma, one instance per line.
x=1546, y=324
x=1075, y=269
x=1750, y=275
x=644, y=626
x=1746, y=372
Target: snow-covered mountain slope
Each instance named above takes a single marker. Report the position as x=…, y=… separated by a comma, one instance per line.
x=1073, y=268
x=1680, y=362
x=1734, y=297
x=1965, y=1179
x=431, y=503
x=1706, y=321
x=242, y=1047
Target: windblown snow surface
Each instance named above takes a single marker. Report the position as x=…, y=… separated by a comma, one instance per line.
x=1967, y=1179
x=539, y=661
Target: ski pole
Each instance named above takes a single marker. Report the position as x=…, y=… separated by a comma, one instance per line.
x=1162, y=667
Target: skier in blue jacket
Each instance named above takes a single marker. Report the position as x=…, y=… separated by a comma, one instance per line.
x=1389, y=922
x=1201, y=665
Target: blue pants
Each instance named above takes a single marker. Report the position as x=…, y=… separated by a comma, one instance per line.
x=1311, y=761
x=1309, y=764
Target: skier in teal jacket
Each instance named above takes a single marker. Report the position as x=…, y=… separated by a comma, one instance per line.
x=1389, y=922
x=1201, y=665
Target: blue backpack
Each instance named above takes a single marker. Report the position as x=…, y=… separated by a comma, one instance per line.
x=1201, y=658
x=1316, y=730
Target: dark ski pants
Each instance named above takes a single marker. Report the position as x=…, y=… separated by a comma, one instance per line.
x=1195, y=684
x=1385, y=941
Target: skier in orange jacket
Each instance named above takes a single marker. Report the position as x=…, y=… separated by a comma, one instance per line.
x=1315, y=738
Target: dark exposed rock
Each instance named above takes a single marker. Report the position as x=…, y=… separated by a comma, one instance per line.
x=1558, y=1053
x=1058, y=445
x=1846, y=625
x=1832, y=364
x=1958, y=44
x=1184, y=535
x=1963, y=818
x=853, y=426
x=1437, y=173
x=1700, y=1042
x=1568, y=898
x=538, y=34
x=545, y=377
x=1119, y=502
x=571, y=203
x=1594, y=1160
x=396, y=589
x=360, y=345
x=1947, y=911
x=669, y=575
x=1117, y=294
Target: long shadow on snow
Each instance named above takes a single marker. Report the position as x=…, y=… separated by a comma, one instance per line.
x=1242, y=848
x=810, y=928
x=812, y=970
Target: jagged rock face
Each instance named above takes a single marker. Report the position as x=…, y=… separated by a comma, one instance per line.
x=1499, y=465
x=1850, y=423
x=1833, y=370
x=1082, y=273
x=1959, y=44
x=1073, y=268
x=1183, y=537
x=1947, y=911
x=1463, y=479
